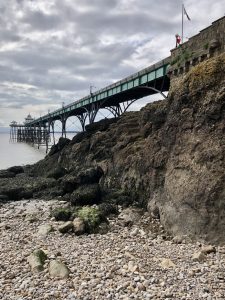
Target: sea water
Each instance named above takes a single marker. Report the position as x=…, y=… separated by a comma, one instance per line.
x=12, y=153
x=18, y=154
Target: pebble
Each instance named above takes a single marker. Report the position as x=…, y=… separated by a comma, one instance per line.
x=122, y=264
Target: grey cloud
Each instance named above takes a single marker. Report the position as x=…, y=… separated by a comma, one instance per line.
x=61, y=47
x=41, y=21
x=9, y=36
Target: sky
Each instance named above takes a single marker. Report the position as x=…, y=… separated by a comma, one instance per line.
x=52, y=51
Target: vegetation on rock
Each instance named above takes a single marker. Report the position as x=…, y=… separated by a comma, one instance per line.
x=92, y=218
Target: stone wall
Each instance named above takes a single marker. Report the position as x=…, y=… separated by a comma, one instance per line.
x=207, y=43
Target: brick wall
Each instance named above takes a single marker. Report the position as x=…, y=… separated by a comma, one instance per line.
x=207, y=43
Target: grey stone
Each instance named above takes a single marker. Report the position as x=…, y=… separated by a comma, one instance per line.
x=167, y=263
x=198, y=256
x=67, y=226
x=78, y=226
x=36, y=260
x=45, y=229
x=130, y=216
x=208, y=249
x=58, y=269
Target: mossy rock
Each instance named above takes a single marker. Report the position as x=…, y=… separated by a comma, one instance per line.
x=36, y=260
x=92, y=217
x=41, y=255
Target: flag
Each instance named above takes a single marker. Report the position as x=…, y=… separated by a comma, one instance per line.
x=185, y=12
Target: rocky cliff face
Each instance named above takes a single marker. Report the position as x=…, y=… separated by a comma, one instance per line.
x=170, y=156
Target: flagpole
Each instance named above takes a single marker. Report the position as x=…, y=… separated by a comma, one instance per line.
x=182, y=31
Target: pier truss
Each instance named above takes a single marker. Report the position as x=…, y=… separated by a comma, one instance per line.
x=115, y=98
x=35, y=135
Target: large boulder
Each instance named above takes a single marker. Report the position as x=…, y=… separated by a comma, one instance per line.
x=102, y=125
x=16, y=169
x=3, y=198
x=87, y=194
x=14, y=193
x=59, y=146
x=90, y=175
x=56, y=172
x=69, y=183
x=6, y=174
x=73, y=180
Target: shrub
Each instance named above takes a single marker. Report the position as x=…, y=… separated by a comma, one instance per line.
x=92, y=218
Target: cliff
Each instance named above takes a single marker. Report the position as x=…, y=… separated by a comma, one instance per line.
x=169, y=156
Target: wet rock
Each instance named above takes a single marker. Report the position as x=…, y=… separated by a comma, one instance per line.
x=16, y=169
x=27, y=194
x=37, y=260
x=90, y=175
x=69, y=183
x=6, y=174
x=57, y=172
x=166, y=154
x=78, y=137
x=14, y=193
x=58, y=269
x=3, y=198
x=86, y=195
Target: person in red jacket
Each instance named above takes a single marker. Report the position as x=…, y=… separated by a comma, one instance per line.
x=178, y=40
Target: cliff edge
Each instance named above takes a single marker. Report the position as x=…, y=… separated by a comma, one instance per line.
x=170, y=156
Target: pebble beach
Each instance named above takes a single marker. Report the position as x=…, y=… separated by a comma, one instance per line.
x=125, y=263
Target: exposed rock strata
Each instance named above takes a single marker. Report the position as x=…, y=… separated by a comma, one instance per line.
x=168, y=157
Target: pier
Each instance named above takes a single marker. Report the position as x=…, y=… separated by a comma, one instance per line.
x=118, y=97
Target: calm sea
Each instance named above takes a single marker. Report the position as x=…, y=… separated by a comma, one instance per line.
x=12, y=154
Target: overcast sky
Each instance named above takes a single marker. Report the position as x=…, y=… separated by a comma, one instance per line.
x=51, y=51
